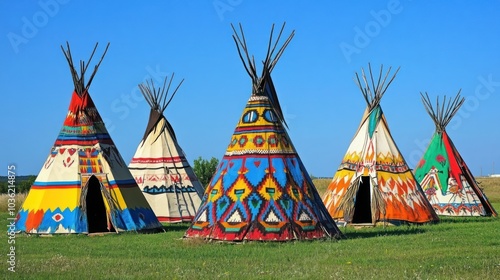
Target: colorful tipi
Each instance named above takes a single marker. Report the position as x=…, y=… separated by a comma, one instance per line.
x=373, y=183
x=84, y=185
x=446, y=180
x=261, y=190
x=159, y=165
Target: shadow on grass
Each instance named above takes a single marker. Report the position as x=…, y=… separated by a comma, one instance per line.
x=464, y=220
x=352, y=233
x=176, y=227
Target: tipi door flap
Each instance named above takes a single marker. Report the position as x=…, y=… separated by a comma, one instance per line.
x=362, y=202
x=106, y=196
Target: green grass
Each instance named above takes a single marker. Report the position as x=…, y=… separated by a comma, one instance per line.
x=457, y=248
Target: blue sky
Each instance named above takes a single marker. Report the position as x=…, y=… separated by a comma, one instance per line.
x=441, y=47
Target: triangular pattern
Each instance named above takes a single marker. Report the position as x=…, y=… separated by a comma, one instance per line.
x=160, y=167
x=268, y=189
x=84, y=186
x=446, y=180
x=373, y=182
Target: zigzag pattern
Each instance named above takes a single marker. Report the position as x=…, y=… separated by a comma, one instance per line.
x=393, y=192
x=170, y=189
x=261, y=194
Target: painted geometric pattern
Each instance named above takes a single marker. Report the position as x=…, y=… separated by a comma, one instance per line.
x=379, y=158
x=51, y=221
x=82, y=135
x=402, y=199
x=83, y=124
x=173, y=197
x=258, y=133
x=53, y=207
x=261, y=190
x=382, y=162
x=157, y=175
x=164, y=175
x=156, y=184
x=89, y=161
x=53, y=203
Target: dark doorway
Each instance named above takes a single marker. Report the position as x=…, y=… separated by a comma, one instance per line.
x=96, y=211
x=362, y=207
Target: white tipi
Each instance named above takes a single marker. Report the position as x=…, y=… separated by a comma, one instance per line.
x=159, y=165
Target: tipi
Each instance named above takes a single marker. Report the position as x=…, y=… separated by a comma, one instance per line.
x=445, y=178
x=84, y=186
x=373, y=182
x=159, y=165
x=261, y=190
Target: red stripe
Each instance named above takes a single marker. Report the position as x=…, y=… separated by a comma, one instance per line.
x=127, y=186
x=264, y=127
x=56, y=187
x=175, y=219
x=158, y=160
x=83, y=142
x=264, y=156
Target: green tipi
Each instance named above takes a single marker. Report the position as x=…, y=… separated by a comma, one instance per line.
x=446, y=180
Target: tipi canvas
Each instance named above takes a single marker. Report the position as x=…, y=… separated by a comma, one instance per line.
x=373, y=183
x=159, y=165
x=261, y=190
x=446, y=180
x=84, y=185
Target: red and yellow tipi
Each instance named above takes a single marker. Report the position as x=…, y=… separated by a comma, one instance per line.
x=84, y=186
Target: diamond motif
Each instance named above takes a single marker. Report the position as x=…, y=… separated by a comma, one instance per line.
x=243, y=140
x=258, y=141
x=57, y=217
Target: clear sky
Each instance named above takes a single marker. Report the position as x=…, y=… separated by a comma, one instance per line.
x=441, y=47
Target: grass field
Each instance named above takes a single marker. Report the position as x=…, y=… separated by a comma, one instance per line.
x=456, y=248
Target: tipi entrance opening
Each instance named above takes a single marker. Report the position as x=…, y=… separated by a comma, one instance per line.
x=97, y=220
x=362, y=205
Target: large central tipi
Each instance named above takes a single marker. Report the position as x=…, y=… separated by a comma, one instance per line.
x=84, y=185
x=261, y=190
x=445, y=178
x=159, y=165
x=373, y=183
